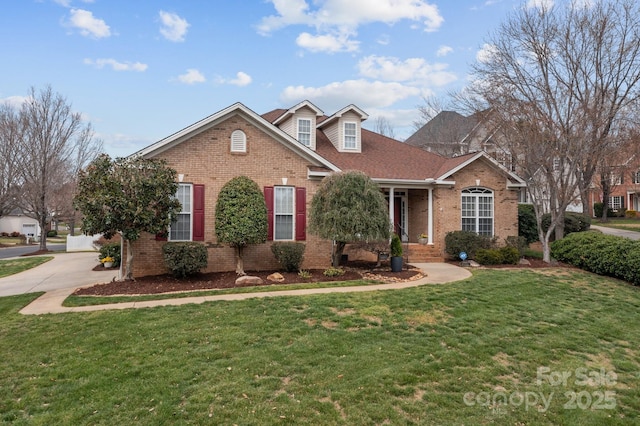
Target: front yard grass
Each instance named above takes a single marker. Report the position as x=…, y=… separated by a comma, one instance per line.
x=13, y=266
x=627, y=224
x=486, y=350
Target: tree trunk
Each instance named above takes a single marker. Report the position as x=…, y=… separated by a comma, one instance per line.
x=606, y=192
x=43, y=234
x=240, y=260
x=128, y=273
x=559, y=231
x=336, y=255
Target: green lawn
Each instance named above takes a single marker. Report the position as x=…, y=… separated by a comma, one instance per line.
x=13, y=266
x=620, y=223
x=493, y=349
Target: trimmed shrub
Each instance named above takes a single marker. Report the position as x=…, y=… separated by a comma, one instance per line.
x=510, y=255
x=289, y=255
x=184, y=258
x=573, y=222
x=333, y=272
x=597, y=210
x=52, y=233
x=608, y=255
x=527, y=226
x=396, y=246
x=15, y=234
x=111, y=250
x=519, y=243
x=467, y=241
x=630, y=214
x=488, y=256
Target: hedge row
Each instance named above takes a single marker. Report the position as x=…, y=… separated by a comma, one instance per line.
x=608, y=255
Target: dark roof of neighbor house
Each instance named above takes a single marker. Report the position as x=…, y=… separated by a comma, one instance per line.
x=447, y=127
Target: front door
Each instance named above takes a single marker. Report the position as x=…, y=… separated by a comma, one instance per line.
x=400, y=215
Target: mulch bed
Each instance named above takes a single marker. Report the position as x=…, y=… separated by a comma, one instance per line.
x=221, y=280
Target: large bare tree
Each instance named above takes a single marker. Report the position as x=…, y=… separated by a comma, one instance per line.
x=56, y=143
x=9, y=158
x=556, y=80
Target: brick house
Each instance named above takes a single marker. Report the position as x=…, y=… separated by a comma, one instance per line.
x=289, y=151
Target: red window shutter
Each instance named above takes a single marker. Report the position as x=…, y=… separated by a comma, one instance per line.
x=198, y=213
x=301, y=214
x=268, y=198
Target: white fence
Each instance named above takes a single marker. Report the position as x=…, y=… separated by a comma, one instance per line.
x=82, y=242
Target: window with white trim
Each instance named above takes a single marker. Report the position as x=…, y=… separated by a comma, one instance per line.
x=635, y=177
x=238, y=141
x=616, y=202
x=180, y=229
x=350, y=135
x=477, y=211
x=304, y=131
x=283, y=211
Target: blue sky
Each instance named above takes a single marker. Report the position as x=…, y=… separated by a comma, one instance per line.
x=142, y=70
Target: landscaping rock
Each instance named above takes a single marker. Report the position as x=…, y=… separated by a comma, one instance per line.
x=276, y=277
x=248, y=280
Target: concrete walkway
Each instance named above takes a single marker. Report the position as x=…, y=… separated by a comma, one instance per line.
x=437, y=273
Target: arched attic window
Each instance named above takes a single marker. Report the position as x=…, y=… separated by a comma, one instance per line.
x=238, y=141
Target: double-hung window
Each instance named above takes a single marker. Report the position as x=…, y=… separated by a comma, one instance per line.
x=304, y=131
x=286, y=213
x=477, y=211
x=350, y=137
x=616, y=202
x=181, y=227
x=283, y=213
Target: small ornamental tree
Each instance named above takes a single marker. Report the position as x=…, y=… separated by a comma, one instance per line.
x=241, y=217
x=349, y=207
x=127, y=196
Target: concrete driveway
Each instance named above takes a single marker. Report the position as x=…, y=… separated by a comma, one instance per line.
x=617, y=232
x=65, y=270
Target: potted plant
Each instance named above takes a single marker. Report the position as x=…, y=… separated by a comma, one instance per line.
x=107, y=262
x=423, y=238
x=396, y=253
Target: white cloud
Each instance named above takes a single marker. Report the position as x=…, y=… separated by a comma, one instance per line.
x=350, y=14
x=88, y=25
x=415, y=70
x=192, y=76
x=444, y=50
x=14, y=101
x=486, y=53
x=242, y=79
x=327, y=43
x=337, y=20
x=174, y=28
x=363, y=93
x=540, y=4
x=116, y=65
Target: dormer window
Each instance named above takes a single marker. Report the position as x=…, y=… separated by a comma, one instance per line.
x=350, y=135
x=304, y=131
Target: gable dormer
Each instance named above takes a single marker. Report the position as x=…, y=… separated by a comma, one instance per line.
x=299, y=122
x=344, y=129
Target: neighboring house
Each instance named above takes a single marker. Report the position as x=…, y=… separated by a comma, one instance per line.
x=625, y=188
x=452, y=134
x=16, y=221
x=289, y=151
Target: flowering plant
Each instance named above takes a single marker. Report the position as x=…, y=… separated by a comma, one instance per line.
x=423, y=235
x=106, y=259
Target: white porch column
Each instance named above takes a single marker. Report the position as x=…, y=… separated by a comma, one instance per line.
x=392, y=209
x=430, y=218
